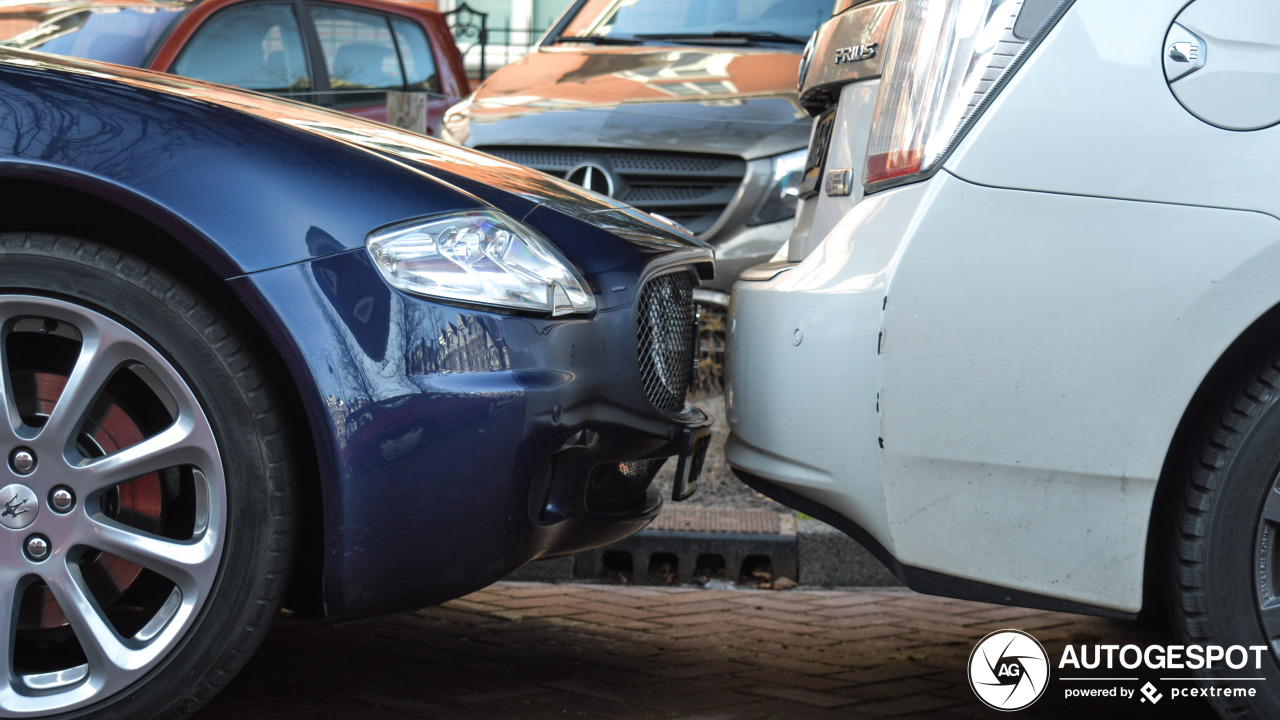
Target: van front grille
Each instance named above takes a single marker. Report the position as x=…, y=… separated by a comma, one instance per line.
x=693, y=190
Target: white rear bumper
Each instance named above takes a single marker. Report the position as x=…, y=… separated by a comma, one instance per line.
x=987, y=381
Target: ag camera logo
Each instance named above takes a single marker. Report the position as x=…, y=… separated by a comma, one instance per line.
x=1008, y=670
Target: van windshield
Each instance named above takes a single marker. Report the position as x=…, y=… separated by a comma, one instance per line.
x=114, y=34
x=751, y=20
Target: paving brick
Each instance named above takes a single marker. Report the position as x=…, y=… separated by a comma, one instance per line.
x=690, y=656
x=858, y=634
x=630, y=679
x=524, y=590
x=897, y=688
x=860, y=621
x=881, y=673
x=786, y=639
x=685, y=631
x=808, y=697
x=790, y=626
x=908, y=706
x=529, y=651
x=786, y=602
x=702, y=618
x=801, y=666
x=704, y=684
x=612, y=620
x=588, y=656
x=700, y=670
x=840, y=598
x=777, y=709
x=794, y=679
x=705, y=606
x=698, y=701
x=842, y=611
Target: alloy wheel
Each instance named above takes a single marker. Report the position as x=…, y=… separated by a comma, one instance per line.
x=113, y=506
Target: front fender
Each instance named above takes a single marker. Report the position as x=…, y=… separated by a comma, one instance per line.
x=237, y=187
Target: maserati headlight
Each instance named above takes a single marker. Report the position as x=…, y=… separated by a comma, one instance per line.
x=779, y=203
x=481, y=257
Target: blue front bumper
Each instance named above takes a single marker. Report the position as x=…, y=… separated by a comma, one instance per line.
x=454, y=445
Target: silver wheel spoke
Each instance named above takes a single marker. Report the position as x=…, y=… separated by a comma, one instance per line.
x=10, y=308
x=10, y=598
x=189, y=565
x=185, y=442
x=108, y=656
x=9, y=601
x=100, y=356
x=11, y=420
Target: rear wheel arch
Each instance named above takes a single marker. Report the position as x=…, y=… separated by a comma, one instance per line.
x=1255, y=345
x=41, y=206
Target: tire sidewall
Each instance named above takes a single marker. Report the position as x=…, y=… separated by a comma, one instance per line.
x=1230, y=597
x=146, y=302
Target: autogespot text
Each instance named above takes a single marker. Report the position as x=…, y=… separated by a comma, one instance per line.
x=1162, y=657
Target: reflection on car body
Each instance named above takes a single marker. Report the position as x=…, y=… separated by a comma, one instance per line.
x=345, y=55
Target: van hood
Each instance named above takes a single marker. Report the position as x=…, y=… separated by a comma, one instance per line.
x=739, y=101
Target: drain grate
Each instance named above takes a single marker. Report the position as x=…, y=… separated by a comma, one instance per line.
x=683, y=540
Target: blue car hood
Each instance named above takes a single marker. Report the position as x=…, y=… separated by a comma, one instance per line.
x=514, y=189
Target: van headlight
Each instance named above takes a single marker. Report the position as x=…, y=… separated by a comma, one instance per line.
x=483, y=258
x=783, y=195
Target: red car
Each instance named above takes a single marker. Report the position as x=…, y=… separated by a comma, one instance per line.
x=345, y=55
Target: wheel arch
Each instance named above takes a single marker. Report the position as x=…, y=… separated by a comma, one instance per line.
x=38, y=203
x=1259, y=340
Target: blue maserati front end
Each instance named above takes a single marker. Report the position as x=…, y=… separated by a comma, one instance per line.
x=482, y=413
x=254, y=353
x=467, y=441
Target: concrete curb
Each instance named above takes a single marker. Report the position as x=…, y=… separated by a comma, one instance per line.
x=829, y=557
x=803, y=549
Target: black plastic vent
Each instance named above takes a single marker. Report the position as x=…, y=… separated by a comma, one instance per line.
x=1035, y=14
x=667, y=331
x=539, y=487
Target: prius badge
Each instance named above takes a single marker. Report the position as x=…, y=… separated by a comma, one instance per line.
x=857, y=53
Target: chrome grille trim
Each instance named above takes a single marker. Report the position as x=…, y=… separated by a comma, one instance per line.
x=693, y=190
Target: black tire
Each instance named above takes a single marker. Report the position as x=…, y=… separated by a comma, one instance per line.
x=211, y=603
x=1223, y=511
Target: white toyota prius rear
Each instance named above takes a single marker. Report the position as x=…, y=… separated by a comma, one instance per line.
x=1024, y=343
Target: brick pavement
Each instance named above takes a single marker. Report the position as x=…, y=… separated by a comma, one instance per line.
x=529, y=650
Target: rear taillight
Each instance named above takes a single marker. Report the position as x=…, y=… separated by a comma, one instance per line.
x=945, y=62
